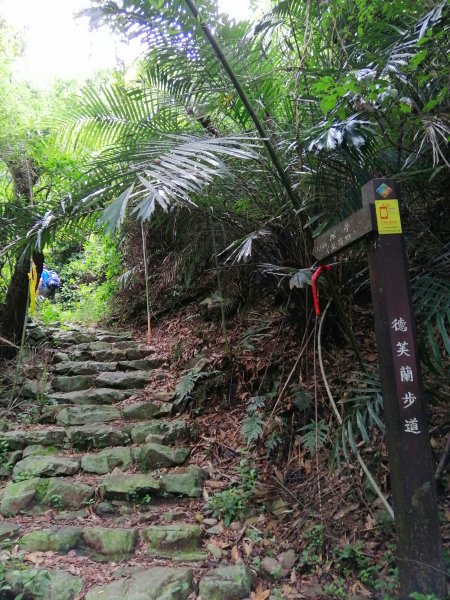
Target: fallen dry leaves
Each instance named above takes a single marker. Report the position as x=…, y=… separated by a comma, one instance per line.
x=260, y=593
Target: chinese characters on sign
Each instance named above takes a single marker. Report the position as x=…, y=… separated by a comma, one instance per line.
x=399, y=325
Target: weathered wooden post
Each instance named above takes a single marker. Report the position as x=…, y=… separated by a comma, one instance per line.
x=419, y=551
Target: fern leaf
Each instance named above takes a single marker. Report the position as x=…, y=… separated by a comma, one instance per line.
x=252, y=428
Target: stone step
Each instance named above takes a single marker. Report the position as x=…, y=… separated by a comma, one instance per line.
x=95, y=345
x=141, y=582
x=86, y=337
x=170, y=583
x=148, y=457
x=134, y=487
x=114, y=380
x=180, y=541
x=99, y=543
x=90, y=367
x=93, y=413
x=172, y=431
x=45, y=466
x=106, y=460
x=97, y=435
x=37, y=494
x=151, y=584
x=34, y=584
x=86, y=415
x=17, y=439
x=110, y=354
x=83, y=414
x=90, y=396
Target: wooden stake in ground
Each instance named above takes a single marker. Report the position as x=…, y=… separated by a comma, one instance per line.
x=419, y=552
x=147, y=291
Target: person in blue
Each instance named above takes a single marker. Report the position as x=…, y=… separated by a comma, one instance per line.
x=48, y=284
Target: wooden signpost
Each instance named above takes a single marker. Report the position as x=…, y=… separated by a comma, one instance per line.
x=419, y=551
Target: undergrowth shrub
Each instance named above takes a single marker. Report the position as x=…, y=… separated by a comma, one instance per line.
x=235, y=503
x=88, y=283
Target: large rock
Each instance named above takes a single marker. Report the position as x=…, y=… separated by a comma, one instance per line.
x=177, y=542
x=94, y=396
x=130, y=487
x=45, y=466
x=122, y=380
x=126, y=344
x=116, y=338
x=13, y=440
x=173, y=431
x=109, y=544
x=8, y=531
x=19, y=438
x=37, y=449
x=146, y=410
x=138, y=353
x=36, y=334
x=91, y=346
x=34, y=388
x=106, y=355
x=59, y=357
x=140, y=365
x=106, y=460
x=87, y=414
x=62, y=494
x=9, y=461
x=73, y=337
x=184, y=483
x=226, y=583
x=50, y=436
x=73, y=384
x=95, y=436
x=153, y=584
x=55, y=539
x=156, y=456
x=18, y=496
x=42, y=583
x=73, y=367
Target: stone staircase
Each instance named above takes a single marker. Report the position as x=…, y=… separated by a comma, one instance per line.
x=103, y=481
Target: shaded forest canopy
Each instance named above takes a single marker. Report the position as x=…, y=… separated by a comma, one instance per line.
x=194, y=192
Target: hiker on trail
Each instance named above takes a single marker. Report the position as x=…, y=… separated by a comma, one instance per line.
x=48, y=284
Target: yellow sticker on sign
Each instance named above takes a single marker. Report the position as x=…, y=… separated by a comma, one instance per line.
x=388, y=216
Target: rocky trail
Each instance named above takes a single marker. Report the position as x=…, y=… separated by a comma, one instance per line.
x=99, y=499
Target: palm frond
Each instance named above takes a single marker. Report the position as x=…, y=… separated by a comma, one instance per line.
x=432, y=302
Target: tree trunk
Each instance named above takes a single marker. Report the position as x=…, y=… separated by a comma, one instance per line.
x=13, y=312
x=14, y=309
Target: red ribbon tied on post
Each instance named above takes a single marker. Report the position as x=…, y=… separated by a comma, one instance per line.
x=315, y=293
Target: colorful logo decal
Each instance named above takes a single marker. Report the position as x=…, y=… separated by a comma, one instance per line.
x=384, y=190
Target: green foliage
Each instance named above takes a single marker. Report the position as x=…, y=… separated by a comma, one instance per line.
x=88, y=282
x=252, y=428
x=362, y=413
x=55, y=502
x=313, y=550
x=33, y=581
x=235, y=503
x=350, y=558
x=432, y=303
x=187, y=383
x=419, y=596
x=4, y=450
x=24, y=476
x=314, y=436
